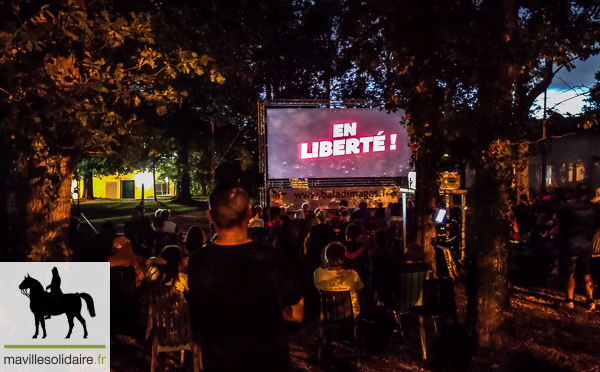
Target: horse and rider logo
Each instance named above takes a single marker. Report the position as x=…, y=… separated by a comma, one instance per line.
x=44, y=304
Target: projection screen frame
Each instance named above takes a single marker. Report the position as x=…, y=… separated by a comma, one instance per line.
x=324, y=104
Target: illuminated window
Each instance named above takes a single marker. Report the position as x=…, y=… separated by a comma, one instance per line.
x=548, y=175
x=570, y=172
x=579, y=172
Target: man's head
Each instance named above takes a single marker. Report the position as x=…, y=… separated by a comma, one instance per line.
x=344, y=203
x=345, y=215
x=299, y=215
x=352, y=231
x=380, y=205
x=136, y=215
x=274, y=213
x=165, y=214
x=336, y=224
x=362, y=205
x=229, y=206
x=334, y=254
x=322, y=216
x=524, y=198
x=305, y=206
x=141, y=209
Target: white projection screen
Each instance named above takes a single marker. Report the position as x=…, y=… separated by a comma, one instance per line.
x=336, y=143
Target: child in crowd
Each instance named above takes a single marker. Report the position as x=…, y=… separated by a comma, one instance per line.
x=334, y=278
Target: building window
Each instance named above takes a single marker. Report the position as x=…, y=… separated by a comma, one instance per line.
x=162, y=188
x=570, y=172
x=549, y=175
x=579, y=172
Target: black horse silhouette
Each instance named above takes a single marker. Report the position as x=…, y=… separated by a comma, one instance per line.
x=42, y=304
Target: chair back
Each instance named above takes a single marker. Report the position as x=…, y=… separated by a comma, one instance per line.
x=409, y=288
x=169, y=316
x=336, y=308
x=596, y=245
x=439, y=298
x=122, y=281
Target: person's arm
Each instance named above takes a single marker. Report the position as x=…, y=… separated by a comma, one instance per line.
x=294, y=313
x=359, y=284
x=307, y=244
x=155, y=261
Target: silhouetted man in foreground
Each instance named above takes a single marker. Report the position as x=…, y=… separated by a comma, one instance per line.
x=240, y=293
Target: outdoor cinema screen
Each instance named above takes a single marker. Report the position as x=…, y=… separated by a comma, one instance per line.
x=336, y=143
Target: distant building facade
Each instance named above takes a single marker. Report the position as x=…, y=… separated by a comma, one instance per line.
x=126, y=186
x=570, y=159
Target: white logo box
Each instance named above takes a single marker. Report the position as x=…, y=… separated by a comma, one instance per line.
x=20, y=352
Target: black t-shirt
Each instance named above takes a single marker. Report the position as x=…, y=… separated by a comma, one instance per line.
x=320, y=235
x=578, y=222
x=237, y=294
x=356, y=258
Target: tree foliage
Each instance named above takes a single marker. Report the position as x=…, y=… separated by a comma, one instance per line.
x=79, y=77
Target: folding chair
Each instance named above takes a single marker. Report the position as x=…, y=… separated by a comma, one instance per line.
x=170, y=327
x=336, y=315
x=409, y=300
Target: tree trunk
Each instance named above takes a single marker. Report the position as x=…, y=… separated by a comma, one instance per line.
x=48, y=207
x=185, y=194
x=154, y=182
x=488, y=284
x=204, y=188
x=488, y=296
x=425, y=197
x=88, y=188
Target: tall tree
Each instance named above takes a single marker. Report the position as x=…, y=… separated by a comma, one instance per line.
x=77, y=78
x=473, y=69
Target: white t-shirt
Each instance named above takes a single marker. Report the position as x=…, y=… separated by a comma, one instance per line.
x=169, y=227
x=339, y=281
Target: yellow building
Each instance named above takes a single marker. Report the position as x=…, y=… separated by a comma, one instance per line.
x=127, y=186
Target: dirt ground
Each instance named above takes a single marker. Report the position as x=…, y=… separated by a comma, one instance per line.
x=540, y=337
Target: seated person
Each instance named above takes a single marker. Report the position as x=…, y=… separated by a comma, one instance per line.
x=166, y=269
x=168, y=226
x=257, y=218
x=414, y=260
x=335, y=279
x=123, y=256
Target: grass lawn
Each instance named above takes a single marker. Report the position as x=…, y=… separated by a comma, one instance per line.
x=119, y=210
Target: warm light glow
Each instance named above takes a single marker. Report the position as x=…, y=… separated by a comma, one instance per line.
x=74, y=193
x=144, y=178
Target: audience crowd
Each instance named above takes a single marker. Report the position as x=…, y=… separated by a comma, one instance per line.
x=253, y=270
x=561, y=233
